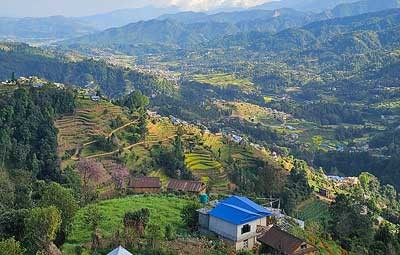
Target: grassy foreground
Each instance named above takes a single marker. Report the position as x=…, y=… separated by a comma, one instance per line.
x=163, y=210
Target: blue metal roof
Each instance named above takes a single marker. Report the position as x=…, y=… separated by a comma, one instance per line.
x=119, y=251
x=239, y=210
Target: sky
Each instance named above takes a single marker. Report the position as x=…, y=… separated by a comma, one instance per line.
x=40, y=8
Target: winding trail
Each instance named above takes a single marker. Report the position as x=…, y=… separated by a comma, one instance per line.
x=79, y=147
x=128, y=147
x=121, y=127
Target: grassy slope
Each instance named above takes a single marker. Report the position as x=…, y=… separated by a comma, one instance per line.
x=163, y=210
x=313, y=210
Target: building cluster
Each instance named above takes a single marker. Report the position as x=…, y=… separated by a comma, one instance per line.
x=176, y=121
x=343, y=181
x=32, y=81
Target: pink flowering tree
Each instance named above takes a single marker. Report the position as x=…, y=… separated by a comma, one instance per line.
x=91, y=172
x=119, y=173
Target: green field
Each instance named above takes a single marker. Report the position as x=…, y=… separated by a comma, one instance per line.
x=163, y=210
x=313, y=210
x=388, y=105
x=223, y=80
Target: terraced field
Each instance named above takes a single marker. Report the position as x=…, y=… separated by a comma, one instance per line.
x=208, y=170
x=160, y=131
x=200, y=161
x=244, y=155
x=89, y=119
x=6, y=89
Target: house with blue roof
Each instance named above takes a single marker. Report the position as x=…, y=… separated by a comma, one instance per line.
x=119, y=251
x=235, y=220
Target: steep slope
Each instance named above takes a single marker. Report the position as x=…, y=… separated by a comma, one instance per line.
x=24, y=60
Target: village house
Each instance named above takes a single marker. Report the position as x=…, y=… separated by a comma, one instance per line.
x=351, y=181
x=119, y=251
x=175, y=120
x=146, y=185
x=237, y=139
x=95, y=98
x=324, y=192
x=38, y=85
x=186, y=186
x=236, y=220
x=154, y=115
x=275, y=240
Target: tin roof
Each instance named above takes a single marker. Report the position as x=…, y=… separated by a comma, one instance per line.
x=284, y=241
x=119, y=251
x=146, y=182
x=239, y=210
x=185, y=185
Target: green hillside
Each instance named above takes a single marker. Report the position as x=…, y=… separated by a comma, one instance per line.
x=163, y=210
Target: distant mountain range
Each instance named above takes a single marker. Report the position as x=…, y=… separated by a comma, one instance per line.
x=123, y=17
x=33, y=29
x=364, y=6
x=237, y=16
x=355, y=34
x=59, y=27
x=136, y=26
x=185, y=29
x=189, y=28
x=304, y=5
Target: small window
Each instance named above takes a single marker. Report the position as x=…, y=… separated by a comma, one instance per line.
x=246, y=228
x=304, y=246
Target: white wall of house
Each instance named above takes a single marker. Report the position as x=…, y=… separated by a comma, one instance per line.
x=223, y=228
x=234, y=232
x=253, y=229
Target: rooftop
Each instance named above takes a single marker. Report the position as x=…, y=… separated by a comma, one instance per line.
x=146, y=182
x=284, y=241
x=185, y=185
x=239, y=210
x=119, y=251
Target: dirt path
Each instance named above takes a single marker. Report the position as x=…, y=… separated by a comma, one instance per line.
x=129, y=147
x=121, y=127
x=79, y=148
x=327, y=249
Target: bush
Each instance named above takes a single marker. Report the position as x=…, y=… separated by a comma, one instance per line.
x=11, y=247
x=169, y=232
x=190, y=215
